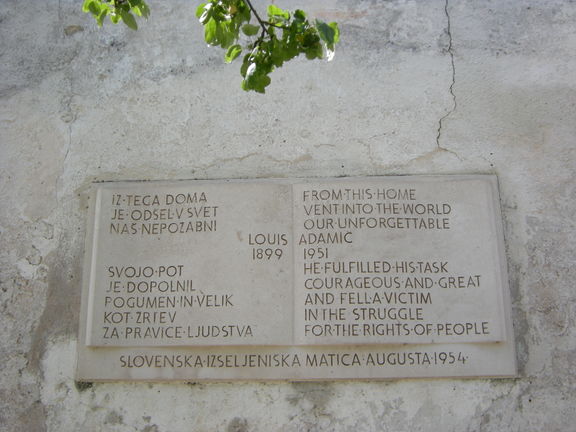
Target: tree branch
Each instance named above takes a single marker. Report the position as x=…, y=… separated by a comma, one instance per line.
x=262, y=24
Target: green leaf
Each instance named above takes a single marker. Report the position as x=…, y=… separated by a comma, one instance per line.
x=122, y=7
x=310, y=38
x=210, y=29
x=276, y=12
x=244, y=13
x=145, y=10
x=86, y=5
x=336, y=29
x=200, y=10
x=206, y=11
x=277, y=53
x=100, y=19
x=250, y=29
x=326, y=32
x=94, y=8
x=330, y=35
x=299, y=15
x=245, y=64
x=129, y=20
x=225, y=34
x=256, y=82
x=233, y=52
x=314, y=52
x=261, y=82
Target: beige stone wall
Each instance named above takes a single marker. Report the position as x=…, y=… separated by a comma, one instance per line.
x=416, y=87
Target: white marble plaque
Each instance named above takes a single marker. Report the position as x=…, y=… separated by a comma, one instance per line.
x=295, y=279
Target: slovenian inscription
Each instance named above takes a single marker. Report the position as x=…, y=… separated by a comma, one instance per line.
x=192, y=267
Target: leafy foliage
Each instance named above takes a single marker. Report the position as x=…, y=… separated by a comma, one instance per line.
x=117, y=10
x=266, y=44
x=282, y=37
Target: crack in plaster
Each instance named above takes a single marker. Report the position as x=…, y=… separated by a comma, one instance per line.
x=303, y=158
x=423, y=157
x=379, y=135
x=450, y=51
x=68, y=113
x=68, y=102
x=484, y=415
x=231, y=159
x=69, y=118
x=369, y=154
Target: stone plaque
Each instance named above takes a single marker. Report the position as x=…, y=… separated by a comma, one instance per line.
x=372, y=277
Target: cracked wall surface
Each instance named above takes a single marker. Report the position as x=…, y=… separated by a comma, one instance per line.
x=416, y=87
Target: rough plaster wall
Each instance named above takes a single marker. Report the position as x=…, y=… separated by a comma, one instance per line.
x=416, y=87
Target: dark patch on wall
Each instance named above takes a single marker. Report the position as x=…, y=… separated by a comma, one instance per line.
x=237, y=424
x=83, y=385
x=114, y=418
x=62, y=309
x=33, y=419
